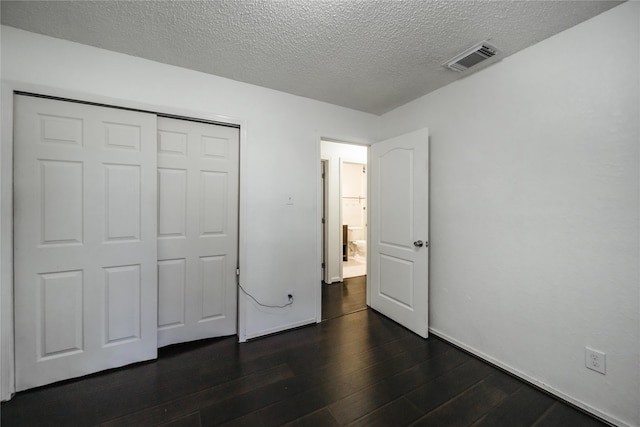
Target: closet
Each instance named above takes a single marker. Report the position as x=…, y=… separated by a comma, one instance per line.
x=125, y=236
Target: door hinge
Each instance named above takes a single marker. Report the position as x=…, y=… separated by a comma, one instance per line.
x=323, y=220
x=323, y=265
x=238, y=271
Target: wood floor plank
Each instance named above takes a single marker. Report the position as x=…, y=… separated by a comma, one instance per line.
x=561, y=414
x=520, y=409
x=191, y=420
x=321, y=417
x=472, y=404
x=431, y=395
x=397, y=413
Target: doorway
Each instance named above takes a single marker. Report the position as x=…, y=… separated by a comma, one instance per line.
x=344, y=227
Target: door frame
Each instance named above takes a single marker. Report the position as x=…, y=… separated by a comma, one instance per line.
x=7, y=90
x=324, y=168
x=319, y=244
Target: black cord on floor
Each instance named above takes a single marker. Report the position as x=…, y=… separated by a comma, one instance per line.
x=265, y=305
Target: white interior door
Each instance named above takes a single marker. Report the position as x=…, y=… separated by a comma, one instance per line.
x=198, y=173
x=399, y=229
x=85, y=239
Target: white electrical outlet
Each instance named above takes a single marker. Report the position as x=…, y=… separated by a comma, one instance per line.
x=595, y=360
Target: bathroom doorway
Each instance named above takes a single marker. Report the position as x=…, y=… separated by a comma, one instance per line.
x=344, y=225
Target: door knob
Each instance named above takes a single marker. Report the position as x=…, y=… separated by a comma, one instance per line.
x=418, y=243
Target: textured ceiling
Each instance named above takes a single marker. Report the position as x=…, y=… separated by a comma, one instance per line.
x=370, y=55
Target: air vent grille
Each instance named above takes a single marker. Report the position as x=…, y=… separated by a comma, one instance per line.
x=473, y=56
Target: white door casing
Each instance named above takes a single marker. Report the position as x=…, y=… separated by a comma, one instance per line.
x=399, y=216
x=198, y=174
x=85, y=239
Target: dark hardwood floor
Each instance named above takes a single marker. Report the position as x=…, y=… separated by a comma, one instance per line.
x=343, y=298
x=359, y=369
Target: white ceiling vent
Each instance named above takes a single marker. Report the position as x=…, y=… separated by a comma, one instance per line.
x=470, y=57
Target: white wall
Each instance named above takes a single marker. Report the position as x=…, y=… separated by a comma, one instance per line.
x=333, y=153
x=535, y=211
x=280, y=156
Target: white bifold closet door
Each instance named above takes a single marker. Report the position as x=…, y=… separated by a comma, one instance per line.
x=85, y=224
x=198, y=174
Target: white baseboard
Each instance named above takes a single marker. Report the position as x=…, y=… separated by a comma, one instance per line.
x=256, y=334
x=546, y=387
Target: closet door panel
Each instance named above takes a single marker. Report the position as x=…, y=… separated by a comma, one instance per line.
x=85, y=229
x=198, y=172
